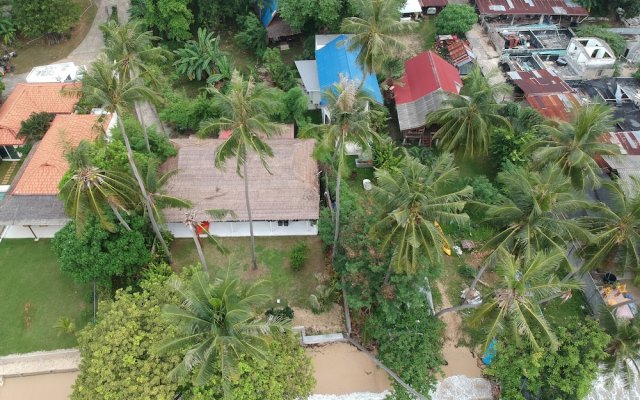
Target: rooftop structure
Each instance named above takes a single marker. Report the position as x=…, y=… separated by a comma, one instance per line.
x=28, y=98
x=288, y=193
x=275, y=26
x=423, y=87
x=63, y=72
x=550, y=8
x=333, y=60
x=590, y=57
x=627, y=164
x=31, y=207
x=411, y=7
x=460, y=54
x=535, y=39
x=546, y=92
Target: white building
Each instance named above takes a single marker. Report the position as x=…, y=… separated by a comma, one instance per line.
x=63, y=72
x=285, y=201
x=590, y=57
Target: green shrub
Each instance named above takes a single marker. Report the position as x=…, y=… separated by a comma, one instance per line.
x=34, y=127
x=252, y=36
x=299, y=255
x=467, y=272
x=281, y=74
x=456, y=19
x=321, y=300
x=280, y=312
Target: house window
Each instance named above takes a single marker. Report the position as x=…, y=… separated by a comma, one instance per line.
x=283, y=223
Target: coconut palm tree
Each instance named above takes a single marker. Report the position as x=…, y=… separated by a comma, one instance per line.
x=375, y=32
x=512, y=307
x=132, y=49
x=576, y=145
x=194, y=224
x=158, y=198
x=90, y=190
x=217, y=322
x=244, y=110
x=536, y=214
x=348, y=107
x=415, y=198
x=624, y=348
x=616, y=226
x=102, y=85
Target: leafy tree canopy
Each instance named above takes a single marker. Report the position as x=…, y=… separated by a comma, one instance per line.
x=563, y=374
x=456, y=19
x=312, y=15
x=34, y=127
x=35, y=18
x=104, y=256
x=171, y=18
x=251, y=36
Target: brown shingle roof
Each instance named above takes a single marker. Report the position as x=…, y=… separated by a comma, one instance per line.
x=290, y=192
x=28, y=98
x=47, y=165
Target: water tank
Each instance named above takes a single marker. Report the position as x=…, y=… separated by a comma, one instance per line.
x=366, y=184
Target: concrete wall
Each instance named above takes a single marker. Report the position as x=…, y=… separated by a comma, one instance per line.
x=241, y=229
x=23, y=232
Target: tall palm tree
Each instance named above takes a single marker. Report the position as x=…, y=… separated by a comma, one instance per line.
x=536, y=214
x=375, y=31
x=132, y=49
x=349, y=111
x=217, y=322
x=415, y=198
x=90, y=190
x=193, y=223
x=479, y=86
x=624, y=348
x=512, y=306
x=244, y=110
x=158, y=198
x=576, y=145
x=616, y=226
x=102, y=85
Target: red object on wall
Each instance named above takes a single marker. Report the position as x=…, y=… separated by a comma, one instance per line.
x=202, y=228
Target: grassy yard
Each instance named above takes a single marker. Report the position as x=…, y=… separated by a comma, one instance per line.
x=38, y=52
x=293, y=287
x=34, y=294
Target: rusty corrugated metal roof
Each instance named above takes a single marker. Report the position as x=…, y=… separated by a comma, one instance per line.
x=531, y=7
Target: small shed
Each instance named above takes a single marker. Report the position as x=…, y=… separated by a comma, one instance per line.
x=277, y=29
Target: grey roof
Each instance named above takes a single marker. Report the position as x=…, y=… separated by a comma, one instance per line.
x=413, y=115
x=322, y=40
x=627, y=167
x=32, y=210
x=290, y=192
x=308, y=70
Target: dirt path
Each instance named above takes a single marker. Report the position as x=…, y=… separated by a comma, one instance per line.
x=460, y=360
x=38, y=387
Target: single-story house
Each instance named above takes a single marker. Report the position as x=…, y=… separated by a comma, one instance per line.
x=431, y=7
x=422, y=89
x=28, y=98
x=333, y=60
x=275, y=26
x=284, y=202
x=546, y=92
x=31, y=208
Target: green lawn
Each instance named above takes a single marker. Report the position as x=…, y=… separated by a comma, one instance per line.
x=293, y=287
x=33, y=295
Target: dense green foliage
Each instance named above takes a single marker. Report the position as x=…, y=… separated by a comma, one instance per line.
x=456, y=19
x=185, y=113
x=251, y=36
x=161, y=147
x=7, y=31
x=282, y=75
x=34, y=127
x=615, y=40
x=293, y=106
x=107, y=257
x=170, y=18
x=563, y=374
x=312, y=15
x=52, y=18
x=118, y=361
x=299, y=255
x=198, y=58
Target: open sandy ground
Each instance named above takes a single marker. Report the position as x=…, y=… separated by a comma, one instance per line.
x=55, y=386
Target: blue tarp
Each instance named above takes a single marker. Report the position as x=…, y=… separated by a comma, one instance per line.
x=269, y=9
x=335, y=59
x=490, y=353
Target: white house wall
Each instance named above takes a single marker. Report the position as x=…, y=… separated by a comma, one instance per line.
x=23, y=232
x=241, y=229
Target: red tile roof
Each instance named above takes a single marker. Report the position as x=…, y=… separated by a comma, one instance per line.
x=529, y=7
x=539, y=81
x=424, y=74
x=554, y=106
x=28, y=98
x=47, y=165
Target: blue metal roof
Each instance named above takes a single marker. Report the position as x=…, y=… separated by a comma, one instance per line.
x=269, y=9
x=335, y=59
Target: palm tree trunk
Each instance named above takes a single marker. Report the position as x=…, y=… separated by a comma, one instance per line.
x=457, y=308
x=254, y=262
x=479, y=275
x=119, y=216
x=337, y=221
x=143, y=190
x=137, y=105
x=196, y=240
x=387, y=275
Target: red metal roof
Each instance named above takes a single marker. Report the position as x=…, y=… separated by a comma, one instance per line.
x=424, y=74
x=529, y=7
x=628, y=142
x=540, y=81
x=554, y=106
x=460, y=52
x=434, y=3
